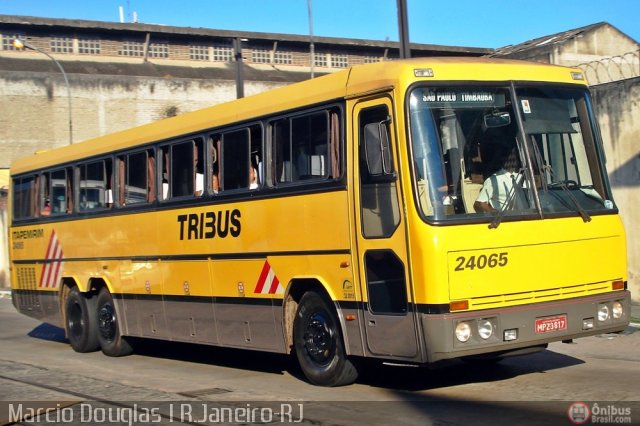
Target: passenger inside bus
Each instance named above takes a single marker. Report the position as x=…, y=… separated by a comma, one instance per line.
x=501, y=165
x=46, y=210
x=499, y=190
x=253, y=178
x=215, y=169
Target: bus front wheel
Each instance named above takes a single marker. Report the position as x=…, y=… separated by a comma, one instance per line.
x=111, y=341
x=80, y=324
x=318, y=343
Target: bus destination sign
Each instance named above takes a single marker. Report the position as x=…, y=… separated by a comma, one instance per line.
x=447, y=98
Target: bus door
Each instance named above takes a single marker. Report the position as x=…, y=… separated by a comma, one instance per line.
x=389, y=318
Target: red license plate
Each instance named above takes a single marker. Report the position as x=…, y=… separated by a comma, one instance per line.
x=549, y=324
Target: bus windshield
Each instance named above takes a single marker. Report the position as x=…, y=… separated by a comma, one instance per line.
x=474, y=158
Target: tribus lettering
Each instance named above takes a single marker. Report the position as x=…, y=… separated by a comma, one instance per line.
x=206, y=225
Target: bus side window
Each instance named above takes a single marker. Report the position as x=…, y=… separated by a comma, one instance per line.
x=151, y=176
x=309, y=145
x=61, y=191
x=281, y=167
x=235, y=160
x=95, y=188
x=110, y=183
x=199, y=162
x=256, y=172
x=306, y=147
x=44, y=199
x=24, y=197
x=133, y=178
x=181, y=177
x=214, y=164
x=165, y=160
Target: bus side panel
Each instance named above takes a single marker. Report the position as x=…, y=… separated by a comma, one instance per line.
x=244, y=318
x=188, y=304
x=34, y=281
x=41, y=305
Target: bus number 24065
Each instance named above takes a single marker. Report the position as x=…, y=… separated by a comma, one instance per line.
x=494, y=260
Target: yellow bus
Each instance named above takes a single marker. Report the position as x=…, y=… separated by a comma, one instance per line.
x=408, y=211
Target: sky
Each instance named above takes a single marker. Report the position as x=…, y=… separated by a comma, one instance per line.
x=468, y=23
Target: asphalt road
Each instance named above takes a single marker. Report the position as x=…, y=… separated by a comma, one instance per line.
x=175, y=383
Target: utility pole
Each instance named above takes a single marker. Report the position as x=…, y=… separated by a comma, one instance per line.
x=403, y=27
x=311, y=47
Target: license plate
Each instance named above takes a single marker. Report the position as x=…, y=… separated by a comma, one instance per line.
x=549, y=324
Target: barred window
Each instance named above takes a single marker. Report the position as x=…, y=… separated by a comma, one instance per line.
x=7, y=40
x=285, y=58
x=159, y=50
x=222, y=53
x=131, y=48
x=371, y=59
x=61, y=44
x=199, y=53
x=89, y=46
x=260, y=56
x=320, y=60
x=339, y=61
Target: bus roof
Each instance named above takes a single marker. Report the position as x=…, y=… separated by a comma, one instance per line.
x=347, y=83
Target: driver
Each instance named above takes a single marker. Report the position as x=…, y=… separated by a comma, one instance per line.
x=498, y=187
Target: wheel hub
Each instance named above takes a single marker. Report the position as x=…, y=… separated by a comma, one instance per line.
x=107, y=322
x=319, y=339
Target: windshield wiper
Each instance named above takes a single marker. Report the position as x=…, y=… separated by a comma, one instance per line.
x=515, y=186
x=562, y=185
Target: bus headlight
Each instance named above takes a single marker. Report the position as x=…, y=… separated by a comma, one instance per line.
x=463, y=331
x=617, y=310
x=603, y=312
x=485, y=329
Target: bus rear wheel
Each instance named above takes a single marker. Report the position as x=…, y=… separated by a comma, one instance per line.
x=80, y=324
x=111, y=341
x=318, y=343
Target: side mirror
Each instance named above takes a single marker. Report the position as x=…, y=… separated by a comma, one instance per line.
x=377, y=149
x=497, y=119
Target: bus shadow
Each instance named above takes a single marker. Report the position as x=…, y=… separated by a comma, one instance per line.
x=48, y=332
x=442, y=374
x=456, y=372
x=189, y=352
x=241, y=359
x=266, y=362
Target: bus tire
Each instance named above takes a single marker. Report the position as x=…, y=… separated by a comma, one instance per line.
x=80, y=322
x=111, y=341
x=318, y=343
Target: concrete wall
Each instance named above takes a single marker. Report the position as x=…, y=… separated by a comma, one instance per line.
x=617, y=105
x=573, y=47
x=35, y=106
x=605, y=41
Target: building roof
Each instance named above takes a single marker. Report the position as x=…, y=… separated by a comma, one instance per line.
x=154, y=70
x=22, y=21
x=552, y=39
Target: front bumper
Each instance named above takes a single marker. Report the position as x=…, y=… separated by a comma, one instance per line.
x=441, y=341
